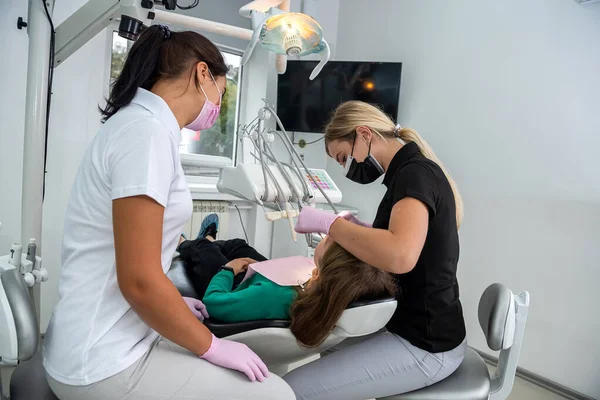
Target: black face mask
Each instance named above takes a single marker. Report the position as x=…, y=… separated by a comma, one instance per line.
x=363, y=172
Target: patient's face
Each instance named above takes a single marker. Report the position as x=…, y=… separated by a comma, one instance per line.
x=320, y=250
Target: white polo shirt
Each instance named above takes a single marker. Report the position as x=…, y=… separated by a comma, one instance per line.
x=94, y=333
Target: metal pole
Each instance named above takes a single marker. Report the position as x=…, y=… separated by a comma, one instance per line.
x=202, y=24
x=38, y=29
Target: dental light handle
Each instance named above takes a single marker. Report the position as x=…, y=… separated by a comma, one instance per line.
x=258, y=19
x=325, y=54
x=255, y=36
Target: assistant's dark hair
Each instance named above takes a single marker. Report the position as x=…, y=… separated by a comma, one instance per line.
x=159, y=54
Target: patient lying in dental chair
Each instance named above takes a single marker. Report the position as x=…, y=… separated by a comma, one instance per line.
x=338, y=280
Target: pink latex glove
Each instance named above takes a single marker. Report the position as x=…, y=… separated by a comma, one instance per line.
x=237, y=356
x=348, y=216
x=312, y=220
x=197, y=307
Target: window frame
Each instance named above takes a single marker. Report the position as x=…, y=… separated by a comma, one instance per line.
x=113, y=27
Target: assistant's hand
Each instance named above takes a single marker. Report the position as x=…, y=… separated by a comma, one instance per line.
x=348, y=216
x=240, y=265
x=312, y=220
x=197, y=307
x=237, y=356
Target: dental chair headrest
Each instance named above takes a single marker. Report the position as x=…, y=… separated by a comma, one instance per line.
x=360, y=318
x=497, y=316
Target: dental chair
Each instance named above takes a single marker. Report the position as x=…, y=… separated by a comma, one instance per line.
x=272, y=340
x=502, y=316
x=19, y=340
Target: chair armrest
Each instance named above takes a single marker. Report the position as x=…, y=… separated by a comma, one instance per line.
x=222, y=329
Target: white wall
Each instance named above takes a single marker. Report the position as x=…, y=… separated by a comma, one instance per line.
x=507, y=93
x=13, y=76
x=79, y=86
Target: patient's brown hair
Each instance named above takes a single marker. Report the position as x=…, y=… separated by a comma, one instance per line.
x=342, y=280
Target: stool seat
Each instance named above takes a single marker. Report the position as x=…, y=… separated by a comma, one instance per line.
x=29, y=382
x=471, y=381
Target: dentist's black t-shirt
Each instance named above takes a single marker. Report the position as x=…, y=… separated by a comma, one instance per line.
x=429, y=313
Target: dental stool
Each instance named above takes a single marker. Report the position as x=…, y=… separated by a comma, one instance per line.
x=502, y=316
x=273, y=341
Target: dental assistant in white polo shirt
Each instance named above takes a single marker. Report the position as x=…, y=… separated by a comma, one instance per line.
x=121, y=330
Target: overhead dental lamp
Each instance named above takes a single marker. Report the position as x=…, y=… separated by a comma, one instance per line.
x=277, y=29
x=288, y=34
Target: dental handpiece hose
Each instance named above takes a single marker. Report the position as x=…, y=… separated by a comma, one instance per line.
x=281, y=197
x=290, y=182
x=284, y=173
x=257, y=145
x=280, y=124
x=296, y=168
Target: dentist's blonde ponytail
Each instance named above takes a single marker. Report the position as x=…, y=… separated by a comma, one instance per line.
x=352, y=114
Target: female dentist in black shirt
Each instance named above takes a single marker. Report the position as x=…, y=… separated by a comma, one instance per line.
x=415, y=237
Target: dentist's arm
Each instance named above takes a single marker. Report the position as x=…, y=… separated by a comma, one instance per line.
x=138, y=229
x=395, y=250
x=138, y=225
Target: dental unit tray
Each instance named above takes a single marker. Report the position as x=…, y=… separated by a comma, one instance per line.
x=247, y=180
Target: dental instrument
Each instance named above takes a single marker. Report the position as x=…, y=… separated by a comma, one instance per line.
x=293, y=182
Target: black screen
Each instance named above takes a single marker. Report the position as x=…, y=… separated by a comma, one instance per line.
x=305, y=106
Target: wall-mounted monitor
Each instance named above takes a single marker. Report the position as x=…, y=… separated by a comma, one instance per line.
x=306, y=106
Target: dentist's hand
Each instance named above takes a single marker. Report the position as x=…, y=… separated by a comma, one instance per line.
x=312, y=220
x=348, y=216
x=197, y=307
x=237, y=356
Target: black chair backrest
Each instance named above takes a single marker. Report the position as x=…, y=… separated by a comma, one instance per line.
x=179, y=275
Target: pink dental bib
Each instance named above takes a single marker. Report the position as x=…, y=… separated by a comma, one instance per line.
x=287, y=271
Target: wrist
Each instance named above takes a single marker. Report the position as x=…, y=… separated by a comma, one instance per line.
x=335, y=224
x=227, y=268
x=214, y=344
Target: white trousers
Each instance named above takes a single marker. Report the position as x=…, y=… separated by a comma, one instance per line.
x=169, y=371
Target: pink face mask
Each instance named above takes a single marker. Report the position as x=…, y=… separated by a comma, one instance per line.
x=209, y=113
